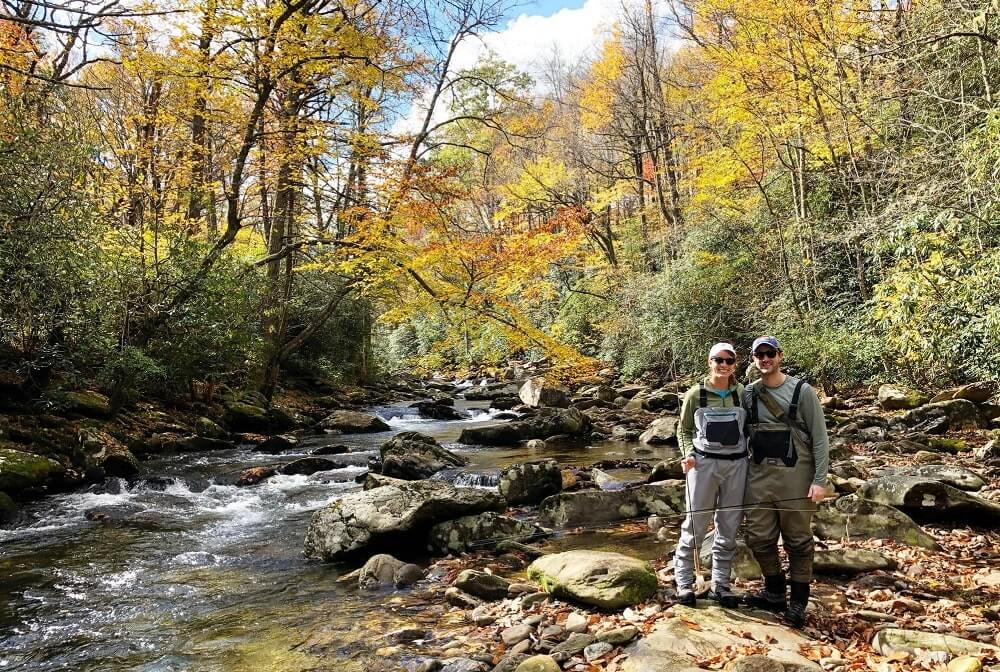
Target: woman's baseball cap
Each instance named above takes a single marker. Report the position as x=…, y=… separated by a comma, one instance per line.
x=721, y=347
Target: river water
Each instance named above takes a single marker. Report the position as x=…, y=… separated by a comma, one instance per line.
x=194, y=574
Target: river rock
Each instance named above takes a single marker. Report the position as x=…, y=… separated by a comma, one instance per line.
x=531, y=482
x=586, y=507
x=538, y=392
x=244, y=417
x=461, y=599
x=953, y=475
x=171, y=443
x=851, y=561
x=598, y=578
x=254, y=475
x=856, y=518
x=407, y=575
x=107, y=453
x=674, y=645
x=930, y=498
x=989, y=452
x=389, y=514
x=893, y=640
x=309, y=465
x=88, y=403
x=538, y=664
x=667, y=470
x=977, y=393
x=353, y=422
x=661, y=430
x=277, y=444
x=940, y=417
x=23, y=474
x=898, y=397
x=744, y=565
x=437, y=410
x=209, y=428
x=618, y=636
x=546, y=423
x=481, y=531
x=412, y=456
x=483, y=585
x=379, y=572
x=464, y=665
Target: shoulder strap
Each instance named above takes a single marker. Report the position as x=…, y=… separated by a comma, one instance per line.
x=702, y=396
x=773, y=406
x=793, y=407
x=750, y=403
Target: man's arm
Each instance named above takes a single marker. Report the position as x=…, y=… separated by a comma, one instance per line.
x=812, y=415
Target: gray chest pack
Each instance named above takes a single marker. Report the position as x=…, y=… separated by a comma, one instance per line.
x=719, y=430
x=773, y=443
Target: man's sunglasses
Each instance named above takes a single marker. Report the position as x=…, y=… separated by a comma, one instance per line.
x=766, y=354
x=724, y=360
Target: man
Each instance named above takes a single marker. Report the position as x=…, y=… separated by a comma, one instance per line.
x=790, y=455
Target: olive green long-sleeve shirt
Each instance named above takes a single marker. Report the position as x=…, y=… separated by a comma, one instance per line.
x=716, y=399
x=810, y=414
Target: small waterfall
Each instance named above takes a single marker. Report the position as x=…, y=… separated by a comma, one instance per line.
x=469, y=479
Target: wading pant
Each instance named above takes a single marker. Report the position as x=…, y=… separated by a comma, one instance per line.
x=712, y=483
x=770, y=514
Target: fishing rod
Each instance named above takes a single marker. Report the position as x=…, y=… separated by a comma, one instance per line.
x=577, y=529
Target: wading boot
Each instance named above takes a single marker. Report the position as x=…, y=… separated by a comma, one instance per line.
x=724, y=596
x=771, y=598
x=795, y=615
x=686, y=597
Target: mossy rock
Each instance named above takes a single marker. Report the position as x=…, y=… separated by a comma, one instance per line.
x=8, y=509
x=21, y=471
x=85, y=402
x=242, y=417
x=209, y=429
x=598, y=578
x=952, y=446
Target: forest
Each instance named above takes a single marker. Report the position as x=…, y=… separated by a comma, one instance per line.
x=224, y=191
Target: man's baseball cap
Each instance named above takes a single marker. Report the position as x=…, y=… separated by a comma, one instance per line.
x=721, y=347
x=765, y=340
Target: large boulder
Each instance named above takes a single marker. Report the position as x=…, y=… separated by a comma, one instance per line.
x=353, y=422
x=587, y=507
x=306, y=466
x=597, y=578
x=677, y=644
x=930, y=499
x=953, y=475
x=856, y=518
x=546, y=423
x=388, y=515
x=412, y=456
x=530, y=483
x=898, y=397
x=940, y=417
x=538, y=392
x=106, y=452
x=24, y=474
x=661, y=430
x=480, y=532
x=250, y=413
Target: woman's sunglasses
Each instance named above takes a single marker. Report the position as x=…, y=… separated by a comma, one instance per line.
x=766, y=354
x=724, y=360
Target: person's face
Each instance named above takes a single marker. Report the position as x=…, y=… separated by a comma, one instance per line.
x=768, y=359
x=722, y=363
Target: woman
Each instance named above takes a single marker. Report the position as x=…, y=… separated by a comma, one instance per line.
x=714, y=446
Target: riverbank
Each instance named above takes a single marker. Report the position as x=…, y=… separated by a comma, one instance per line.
x=202, y=572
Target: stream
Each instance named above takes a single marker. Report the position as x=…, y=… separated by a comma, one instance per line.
x=194, y=573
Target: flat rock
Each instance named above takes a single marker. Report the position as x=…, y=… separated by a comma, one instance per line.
x=851, y=561
x=661, y=430
x=953, y=475
x=893, y=640
x=598, y=578
x=585, y=507
x=675, y=644
x=545, y=423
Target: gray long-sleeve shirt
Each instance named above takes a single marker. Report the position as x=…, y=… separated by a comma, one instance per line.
x=810, y=414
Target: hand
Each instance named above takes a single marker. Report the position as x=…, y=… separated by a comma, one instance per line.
x=817, y=493
x=687, y=464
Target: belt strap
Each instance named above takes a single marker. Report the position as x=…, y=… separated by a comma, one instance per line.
x=722, y=456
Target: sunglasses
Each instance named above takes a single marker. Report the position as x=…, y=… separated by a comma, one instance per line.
x=724, y=360
x=766, y=354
